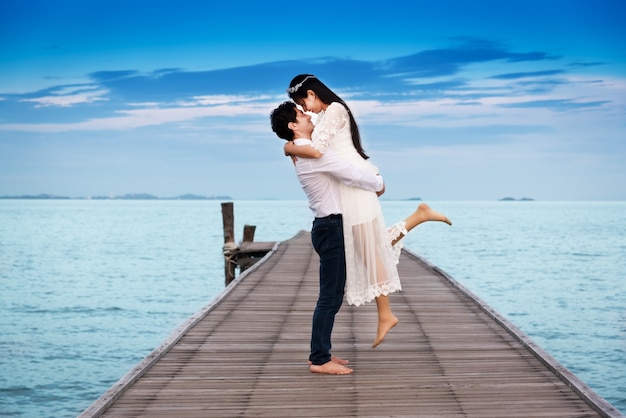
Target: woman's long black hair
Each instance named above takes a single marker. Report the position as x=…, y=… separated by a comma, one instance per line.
x=310, y=82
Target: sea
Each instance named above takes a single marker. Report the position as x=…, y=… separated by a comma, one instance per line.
x=88, y=288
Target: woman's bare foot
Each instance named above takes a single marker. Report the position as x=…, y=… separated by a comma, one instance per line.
x=425, y=213
x=336, y=360
x=383, y=328
x=330, y=367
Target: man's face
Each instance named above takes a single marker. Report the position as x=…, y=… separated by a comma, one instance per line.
x=303, y=122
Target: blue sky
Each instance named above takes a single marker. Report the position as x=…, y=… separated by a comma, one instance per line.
x=456, y=100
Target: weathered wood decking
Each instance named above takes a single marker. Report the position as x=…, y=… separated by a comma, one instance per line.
x=245, y=355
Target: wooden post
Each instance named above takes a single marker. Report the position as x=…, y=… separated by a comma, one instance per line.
x=248, y=233
x=247, y=252
x=228, y=220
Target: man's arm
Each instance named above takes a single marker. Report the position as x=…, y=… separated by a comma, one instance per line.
x=347, y=173
x=302, y=151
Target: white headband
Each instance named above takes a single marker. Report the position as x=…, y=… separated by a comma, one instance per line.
x=297, y=86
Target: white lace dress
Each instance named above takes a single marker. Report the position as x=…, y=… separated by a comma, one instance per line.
x=370, y=260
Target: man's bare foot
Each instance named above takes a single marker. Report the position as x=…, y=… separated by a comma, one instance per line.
x=336, y=360
x=339, y=360
x=383, y=328
x=330, y=368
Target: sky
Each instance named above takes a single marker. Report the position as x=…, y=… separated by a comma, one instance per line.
x=455, y=100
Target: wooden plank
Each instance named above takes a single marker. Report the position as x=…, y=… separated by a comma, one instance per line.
x=255, y=247
x=245, y=355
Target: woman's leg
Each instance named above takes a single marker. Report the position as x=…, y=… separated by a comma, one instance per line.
x=422, y=214
x=375, y=270
x=386, y=318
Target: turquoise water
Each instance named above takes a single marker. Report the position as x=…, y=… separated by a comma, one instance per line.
x=88, y=288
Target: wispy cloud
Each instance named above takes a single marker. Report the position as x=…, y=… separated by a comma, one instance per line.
x=431, y=85
x=450, y=61
x=558, y=105
x=69, y=99
x=530, y=74
x=150, y=116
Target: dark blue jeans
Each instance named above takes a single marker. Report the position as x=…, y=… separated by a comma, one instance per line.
x=327, y=238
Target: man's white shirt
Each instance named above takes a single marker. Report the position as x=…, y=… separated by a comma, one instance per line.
x=320, y=178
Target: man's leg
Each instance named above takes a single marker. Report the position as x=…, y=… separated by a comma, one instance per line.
x=327, y=238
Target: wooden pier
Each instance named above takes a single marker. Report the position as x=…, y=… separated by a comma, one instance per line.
x=245, y=355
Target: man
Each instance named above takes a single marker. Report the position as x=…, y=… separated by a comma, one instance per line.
x=320, y=181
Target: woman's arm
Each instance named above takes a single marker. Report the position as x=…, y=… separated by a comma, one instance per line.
x=303, y=151
x=336, y=119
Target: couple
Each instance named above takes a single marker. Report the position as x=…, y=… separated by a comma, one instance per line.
x=349, y=234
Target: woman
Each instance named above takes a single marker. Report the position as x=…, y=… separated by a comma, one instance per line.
x=371, y=271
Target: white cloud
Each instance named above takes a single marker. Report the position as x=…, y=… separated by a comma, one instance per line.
x=69, y=99
x=130, y=119
x=488, y=108
x=448, y=111
x=213, y=100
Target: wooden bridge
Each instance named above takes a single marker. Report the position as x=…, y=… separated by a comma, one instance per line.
x=245, y=355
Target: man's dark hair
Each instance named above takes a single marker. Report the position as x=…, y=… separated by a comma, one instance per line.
x=280, y=118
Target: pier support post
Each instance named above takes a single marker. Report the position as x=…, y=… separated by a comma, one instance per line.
x=247, y=252
x=248, y=233
x=230, y=248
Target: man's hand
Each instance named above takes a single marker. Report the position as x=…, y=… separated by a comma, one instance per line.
x=287, y=153
x=381, y=192
x=286, y=148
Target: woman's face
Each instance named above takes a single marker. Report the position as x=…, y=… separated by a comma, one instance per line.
x=311, y=103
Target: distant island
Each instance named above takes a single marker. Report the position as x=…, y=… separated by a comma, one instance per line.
x=189, y=196
x=511, y=199
x=131, y=196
